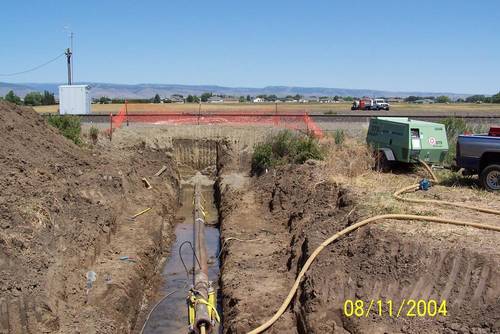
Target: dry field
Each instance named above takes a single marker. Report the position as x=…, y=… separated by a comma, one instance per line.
x=282, y=107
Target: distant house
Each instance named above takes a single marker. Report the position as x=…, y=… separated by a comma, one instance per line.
x=326, y=99
x=424, y=101
x=258, y=100
x=310, y=99
x=215, y=99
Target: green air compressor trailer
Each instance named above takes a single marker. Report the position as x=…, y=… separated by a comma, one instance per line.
x=406, y=140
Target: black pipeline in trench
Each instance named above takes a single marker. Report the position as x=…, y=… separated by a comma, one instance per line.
x=170, y=316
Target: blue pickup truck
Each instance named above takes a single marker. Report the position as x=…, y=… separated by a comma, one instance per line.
x=480, y=154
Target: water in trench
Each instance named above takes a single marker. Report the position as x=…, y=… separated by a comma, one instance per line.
x=171, y=315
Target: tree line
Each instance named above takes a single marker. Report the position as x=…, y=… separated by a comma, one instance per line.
x=446, y=99
x=31, y=99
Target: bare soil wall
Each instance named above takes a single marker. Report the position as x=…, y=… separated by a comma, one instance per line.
x=64, y=211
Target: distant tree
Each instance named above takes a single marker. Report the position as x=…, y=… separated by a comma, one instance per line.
x=157, y=99
x=460, y=100
x=297, y=97
x=443, y=99
x=496, y=98
x=271, y=98
x=412, y=98
x=104, y=100
x=242, y=99
x=336, y=98
x=249, y=98
x=48, y=98
x=206, y=96
x=33, y=99
x=13, y=98
x=475, y=98
x=348, y=98
x=190, y=98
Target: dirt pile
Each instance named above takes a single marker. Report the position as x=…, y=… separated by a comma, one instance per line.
x=295, y=208
x=61, y=208
x=387, y=262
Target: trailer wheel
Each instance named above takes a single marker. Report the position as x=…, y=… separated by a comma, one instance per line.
x=381, y=163
x=490, y=178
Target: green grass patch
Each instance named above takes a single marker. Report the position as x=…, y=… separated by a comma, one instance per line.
x=339, y=136
x=286, y=147
x=69, y=126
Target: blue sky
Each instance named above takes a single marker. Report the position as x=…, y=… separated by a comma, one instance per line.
x=424, y=45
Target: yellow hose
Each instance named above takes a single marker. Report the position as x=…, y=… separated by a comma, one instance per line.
x=362, y=223
x=347, y=230
x=429, y=169
x=415, y=187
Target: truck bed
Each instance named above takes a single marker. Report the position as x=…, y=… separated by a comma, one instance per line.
x=471, y=149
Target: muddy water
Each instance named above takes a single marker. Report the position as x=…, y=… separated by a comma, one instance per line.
x=171, y=315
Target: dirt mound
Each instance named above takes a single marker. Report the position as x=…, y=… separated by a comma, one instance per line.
x=387, y=262
x=295, y=208
x=59, y=207
x=36, y=165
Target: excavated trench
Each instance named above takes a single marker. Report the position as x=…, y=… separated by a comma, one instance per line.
x=196, y=161
x=271, y=224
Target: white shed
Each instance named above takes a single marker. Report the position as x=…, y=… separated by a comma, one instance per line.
x=74, y=99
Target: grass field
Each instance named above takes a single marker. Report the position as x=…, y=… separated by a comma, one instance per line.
x=282, y=107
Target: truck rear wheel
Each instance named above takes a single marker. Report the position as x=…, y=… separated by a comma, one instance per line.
x=490, y=178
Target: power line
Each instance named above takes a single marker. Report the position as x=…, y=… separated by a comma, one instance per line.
x=34, y=68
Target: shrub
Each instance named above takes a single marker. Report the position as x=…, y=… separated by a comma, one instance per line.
x=339, y=136
x=307, y=148
x=262, y=157
x=455, y=127
x=94, y=134
x=69, y=126
x=283, y=148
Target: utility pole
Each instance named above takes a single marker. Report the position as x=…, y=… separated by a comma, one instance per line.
x=68, y=54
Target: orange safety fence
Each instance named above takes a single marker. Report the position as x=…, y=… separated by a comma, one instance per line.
x=117, y=120
x=302, y=122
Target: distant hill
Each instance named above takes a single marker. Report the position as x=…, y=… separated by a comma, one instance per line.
x=165, y=90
